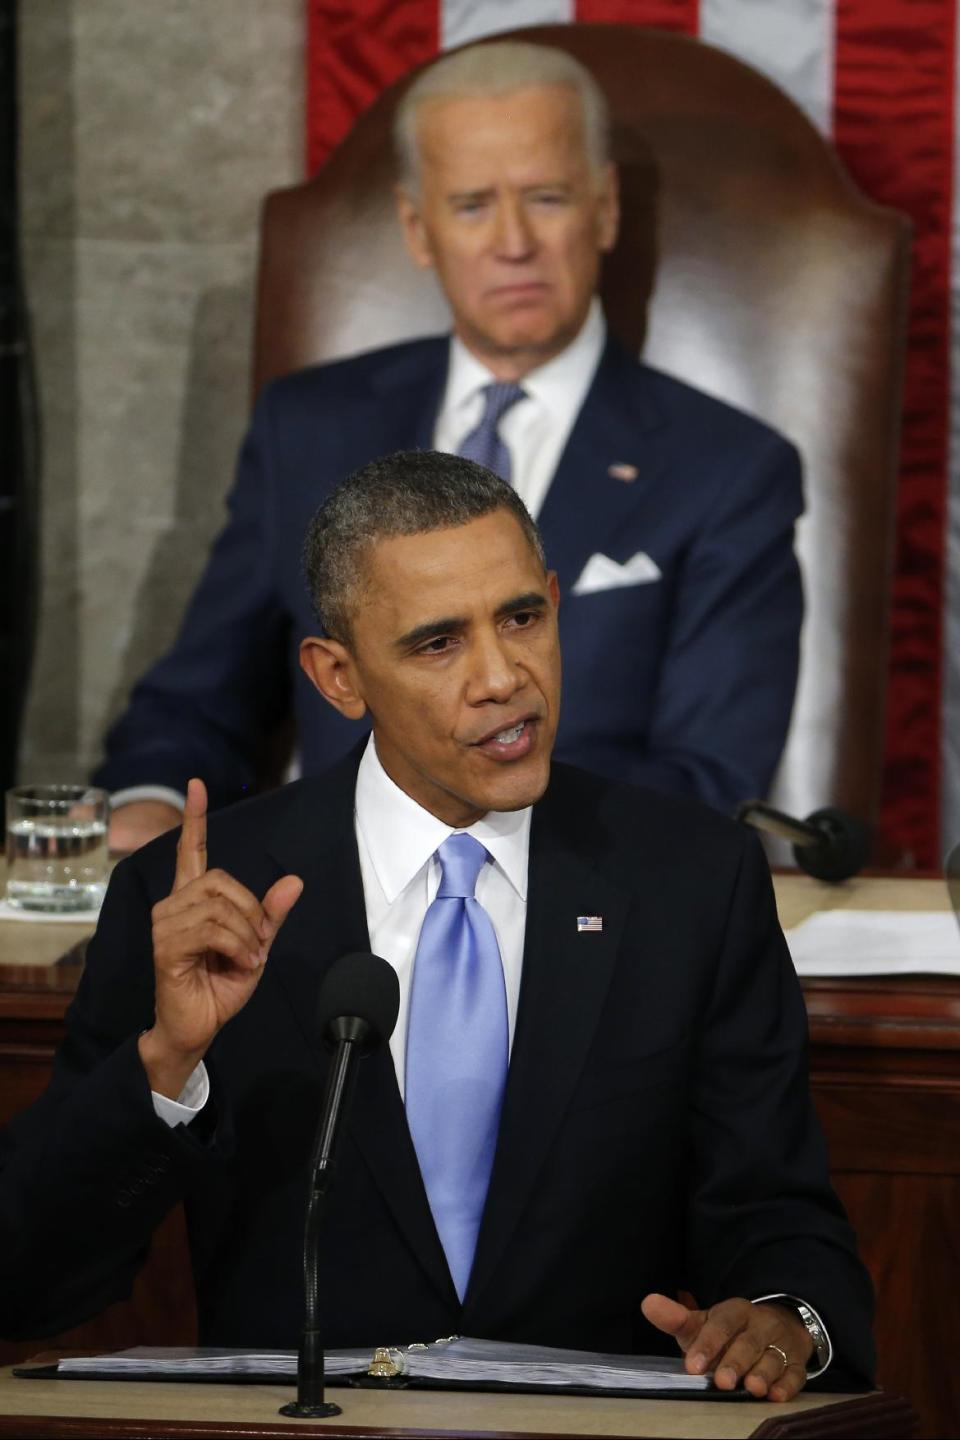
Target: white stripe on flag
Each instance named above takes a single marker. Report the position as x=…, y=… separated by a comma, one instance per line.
x=950, y=702
x=464, y=20
x=790, y=41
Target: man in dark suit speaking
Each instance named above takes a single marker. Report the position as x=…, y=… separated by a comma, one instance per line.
x=667, y=515
x=595, y=1095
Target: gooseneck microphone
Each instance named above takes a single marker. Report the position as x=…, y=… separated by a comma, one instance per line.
x=829, y=844
x=356, y=1010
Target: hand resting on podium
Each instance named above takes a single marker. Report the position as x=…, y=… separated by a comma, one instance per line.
x=739, y=1342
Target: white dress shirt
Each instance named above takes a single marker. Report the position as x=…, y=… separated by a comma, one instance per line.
x=535, y=429
x=397, y=840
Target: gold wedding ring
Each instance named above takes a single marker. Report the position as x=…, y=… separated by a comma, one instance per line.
x=781, y=1353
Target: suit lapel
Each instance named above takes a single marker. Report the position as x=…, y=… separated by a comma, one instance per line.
x=407, y=398
x=379, y=1129
x=314, y=839
x=317, y=841
x=587, y=510
x=566, y=975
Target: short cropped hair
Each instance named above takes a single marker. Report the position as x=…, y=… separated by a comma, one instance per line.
x=408, y=493
x=500, y=68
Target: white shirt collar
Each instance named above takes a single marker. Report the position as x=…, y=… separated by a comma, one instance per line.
x=401, y=836
x=551, y=384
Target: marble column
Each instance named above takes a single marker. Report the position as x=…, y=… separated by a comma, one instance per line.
x=149, y=134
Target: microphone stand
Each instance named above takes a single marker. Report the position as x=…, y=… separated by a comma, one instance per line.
x=829, y=844
x=764, y=817
x=350, y=1033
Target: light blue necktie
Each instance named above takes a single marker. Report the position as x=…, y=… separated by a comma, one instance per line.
x=456, y=1063
x=484, y=444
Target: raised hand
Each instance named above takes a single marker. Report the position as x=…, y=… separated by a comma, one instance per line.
x=211, y=939
x=766, y=1346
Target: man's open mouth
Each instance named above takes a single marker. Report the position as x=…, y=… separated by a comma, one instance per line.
x=512, y=741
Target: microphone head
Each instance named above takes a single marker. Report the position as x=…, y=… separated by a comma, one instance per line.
x=359, y=1000
x=842, y=850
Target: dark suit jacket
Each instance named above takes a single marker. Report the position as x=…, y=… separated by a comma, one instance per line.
x=685, y=683
x=656, y=1132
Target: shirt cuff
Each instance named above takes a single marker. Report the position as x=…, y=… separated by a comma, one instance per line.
x=188, y=1103
x=792, y=1301
x=133, y=793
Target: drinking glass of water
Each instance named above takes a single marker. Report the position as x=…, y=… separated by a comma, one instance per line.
x=56, y=847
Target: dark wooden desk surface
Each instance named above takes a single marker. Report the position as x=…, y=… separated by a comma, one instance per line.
x=885, y=1070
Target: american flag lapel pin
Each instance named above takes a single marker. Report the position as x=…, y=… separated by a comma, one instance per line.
x=591, y=923
x=620, y=470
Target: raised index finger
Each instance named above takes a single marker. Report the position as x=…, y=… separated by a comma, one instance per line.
x=192, y=845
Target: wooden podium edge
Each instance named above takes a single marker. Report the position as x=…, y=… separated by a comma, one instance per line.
x=871, y=1417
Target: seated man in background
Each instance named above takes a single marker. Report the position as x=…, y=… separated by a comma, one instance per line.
x=596, y=1092
x=667, y=515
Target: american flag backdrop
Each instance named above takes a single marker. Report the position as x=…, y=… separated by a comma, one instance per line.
x=879, y=77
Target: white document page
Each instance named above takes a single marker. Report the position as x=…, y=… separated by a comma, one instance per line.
x=835, y=943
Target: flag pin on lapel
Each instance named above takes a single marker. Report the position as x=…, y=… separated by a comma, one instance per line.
x=589, y=923
x=621, y=471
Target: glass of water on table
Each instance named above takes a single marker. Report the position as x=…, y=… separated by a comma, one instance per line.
x=56, y=847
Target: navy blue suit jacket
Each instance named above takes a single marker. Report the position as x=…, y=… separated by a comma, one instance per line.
x=684, y=683
x=657, y=1130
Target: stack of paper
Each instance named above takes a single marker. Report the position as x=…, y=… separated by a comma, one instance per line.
x=492, y=1361
x=456, y=1361
x=200, y=1362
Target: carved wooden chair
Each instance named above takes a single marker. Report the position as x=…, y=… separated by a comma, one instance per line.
x=748, y=265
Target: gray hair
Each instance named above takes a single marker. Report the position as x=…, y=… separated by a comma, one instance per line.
x=409, y=493
x=500, y=68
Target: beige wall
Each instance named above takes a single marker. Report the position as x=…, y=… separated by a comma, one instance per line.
x=149, y=133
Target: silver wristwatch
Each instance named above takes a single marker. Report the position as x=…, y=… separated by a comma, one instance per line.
x=822, y=1349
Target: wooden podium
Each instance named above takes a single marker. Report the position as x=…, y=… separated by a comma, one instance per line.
x=885, y=1057
x=885, y=1072
x=97, y=1410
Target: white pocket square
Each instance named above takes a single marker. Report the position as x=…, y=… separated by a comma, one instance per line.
x=602, y=573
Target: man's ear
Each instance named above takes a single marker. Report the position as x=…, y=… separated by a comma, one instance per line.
x=608, y=217
x=553, y=588
x=414, y=233
x=329, y=665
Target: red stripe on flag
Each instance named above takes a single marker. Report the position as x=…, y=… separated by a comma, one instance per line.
x=660, y=14
x=354, y=50
x=893, y=125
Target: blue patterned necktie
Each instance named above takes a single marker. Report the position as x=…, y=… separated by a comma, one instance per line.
x=484, y=444
x=456, y=1063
